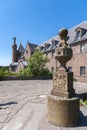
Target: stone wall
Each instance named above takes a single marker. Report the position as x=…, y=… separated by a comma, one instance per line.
x=78, y=60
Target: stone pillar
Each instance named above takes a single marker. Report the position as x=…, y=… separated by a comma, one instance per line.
x=14, y=51
x=63, y=106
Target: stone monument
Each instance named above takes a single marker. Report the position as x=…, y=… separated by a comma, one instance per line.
x=63, y=105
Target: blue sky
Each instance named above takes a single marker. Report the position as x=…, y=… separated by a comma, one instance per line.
x=36, y=21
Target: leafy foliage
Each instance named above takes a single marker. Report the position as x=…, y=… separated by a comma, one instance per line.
x=4, y=68
x=83, y=103
x=2, y=74
x=36, y=65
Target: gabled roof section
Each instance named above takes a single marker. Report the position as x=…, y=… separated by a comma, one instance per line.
x=32, y=46
x=71, y=34
x=50, y=40
x=21, y=48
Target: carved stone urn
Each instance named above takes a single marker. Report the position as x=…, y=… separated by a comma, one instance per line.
x=63, y=55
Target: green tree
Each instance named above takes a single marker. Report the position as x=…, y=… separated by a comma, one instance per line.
x=36, y=66
x=37, y=63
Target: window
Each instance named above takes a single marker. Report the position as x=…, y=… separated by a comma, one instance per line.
x=78, y=35
x=70, y=69
x=26, y=51
x=82, y=48
x=82, y=70
x=52, y=69
x=47, y=45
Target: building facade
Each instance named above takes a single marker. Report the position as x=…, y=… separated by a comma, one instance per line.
x=21, y=55
x=77, y=40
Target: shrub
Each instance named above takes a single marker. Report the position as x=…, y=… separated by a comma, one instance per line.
x=85, y=102
x=36, y=66
x=2, y=74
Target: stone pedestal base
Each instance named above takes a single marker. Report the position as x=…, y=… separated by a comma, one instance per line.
x=63, y=111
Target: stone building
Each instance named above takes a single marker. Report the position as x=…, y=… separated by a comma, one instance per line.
x=20, y=56
x=77, y=39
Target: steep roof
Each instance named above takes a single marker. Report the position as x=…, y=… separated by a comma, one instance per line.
x=21, y=48
x=71, y=35
x=25, y=63
x=32, y=46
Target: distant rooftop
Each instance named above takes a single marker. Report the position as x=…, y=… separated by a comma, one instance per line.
x=21, y=48
x=32, y=46
x=71, y=36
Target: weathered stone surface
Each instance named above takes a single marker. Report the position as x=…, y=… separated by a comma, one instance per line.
x=33, y=90
x=63, y=84
x=63, y=107
x=63, y=55
x=63, y=111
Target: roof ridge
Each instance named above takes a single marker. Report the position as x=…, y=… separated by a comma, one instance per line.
x=32, y=43
x=78, y=24
x=21, y=47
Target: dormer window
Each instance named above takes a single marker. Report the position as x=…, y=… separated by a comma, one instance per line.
x=54, y=42
x=47, y=45
x=41, y=48
x=79, y=33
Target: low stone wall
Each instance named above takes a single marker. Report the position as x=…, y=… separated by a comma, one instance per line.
x=28, y=78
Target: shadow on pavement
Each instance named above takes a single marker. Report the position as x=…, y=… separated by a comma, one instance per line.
x=83, y=120
x=9, y=103
x=82, y=96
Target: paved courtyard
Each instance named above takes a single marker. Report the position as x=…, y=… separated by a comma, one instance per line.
x=23, y=105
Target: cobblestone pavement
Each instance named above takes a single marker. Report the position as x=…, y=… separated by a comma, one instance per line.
x=22, y=103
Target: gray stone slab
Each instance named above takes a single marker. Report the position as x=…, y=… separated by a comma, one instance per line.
x=3, y=118
x=20, y=119
x=34, y=123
